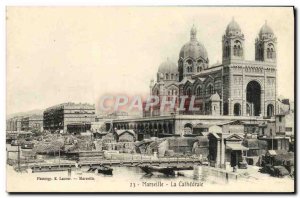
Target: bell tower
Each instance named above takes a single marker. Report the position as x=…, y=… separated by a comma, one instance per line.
x=233, y=43
x=265, y=45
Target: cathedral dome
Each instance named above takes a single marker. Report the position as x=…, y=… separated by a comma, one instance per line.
x=193, y=48
x=265, y=29
x=168, y=67
x=233, y=27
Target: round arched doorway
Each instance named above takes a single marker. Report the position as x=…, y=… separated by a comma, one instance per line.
x=253, y=98
x=237, y=109
x=188, y=128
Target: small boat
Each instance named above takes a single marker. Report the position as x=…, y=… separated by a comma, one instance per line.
x=165, y=170
x=105, y=170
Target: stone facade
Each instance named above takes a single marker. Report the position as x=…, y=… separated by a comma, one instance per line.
x=181, y=125
x=69, y=117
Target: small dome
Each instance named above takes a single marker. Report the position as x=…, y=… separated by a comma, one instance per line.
x=168, y=67
x=265, y=29
x=233, y=26
x=193, y=48
x=215, y=97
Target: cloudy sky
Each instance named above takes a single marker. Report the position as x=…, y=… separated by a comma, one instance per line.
x=60, y=54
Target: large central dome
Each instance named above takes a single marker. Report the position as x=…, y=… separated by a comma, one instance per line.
x=193, y=48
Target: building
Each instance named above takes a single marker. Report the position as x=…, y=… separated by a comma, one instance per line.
x=32, y=122
x=185, y=125
x=69, y=117
x=235, y=87
x=285, y=124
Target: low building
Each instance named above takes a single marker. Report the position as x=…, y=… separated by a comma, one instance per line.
x=285, y=124
x=183, y=125
x=225, y=148
x=69, y=117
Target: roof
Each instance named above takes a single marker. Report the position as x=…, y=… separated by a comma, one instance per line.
x=233, y=122
x=236, y=147
x=232, y=136
x=185, y=79
x=272, y=152
x=201, y=126
x=168, y=67
x=233, y=26
x=215, y=97
x=193, y=49
x=215, y=135
x=265, y=29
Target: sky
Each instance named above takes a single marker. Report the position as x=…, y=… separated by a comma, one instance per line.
x=78, y=54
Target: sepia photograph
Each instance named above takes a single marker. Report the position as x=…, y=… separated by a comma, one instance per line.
x=158, y=99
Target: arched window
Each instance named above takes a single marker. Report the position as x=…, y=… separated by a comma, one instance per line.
x=210, y=89
x=188, y=69
x=198, y=91
x=188, y=128
x=189, y=92
x=237, y=49
x=167, y=76
x=270, y=110
x=227, y=49
x=270, y=51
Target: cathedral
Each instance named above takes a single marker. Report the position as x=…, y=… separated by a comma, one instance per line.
x=235, y=87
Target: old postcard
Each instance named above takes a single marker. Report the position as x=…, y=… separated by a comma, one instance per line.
x=150, y=99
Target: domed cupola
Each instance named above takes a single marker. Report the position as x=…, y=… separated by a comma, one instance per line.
x=233, y=28
x=193, y=49
x=167, y=71
x=266, y=32
x=193, y=56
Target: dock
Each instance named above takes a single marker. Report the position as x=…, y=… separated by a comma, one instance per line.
x=179, y=162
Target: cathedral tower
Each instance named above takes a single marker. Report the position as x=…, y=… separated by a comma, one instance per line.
x=265, y=45
x=233, y=43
